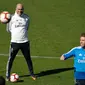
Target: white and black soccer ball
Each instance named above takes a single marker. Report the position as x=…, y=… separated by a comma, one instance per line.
x=5, y=17
x=14, y=77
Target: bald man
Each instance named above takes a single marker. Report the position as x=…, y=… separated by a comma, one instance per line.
x=18, y=28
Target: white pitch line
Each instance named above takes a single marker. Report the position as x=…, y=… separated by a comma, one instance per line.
x=2, y=54
x=48, y=57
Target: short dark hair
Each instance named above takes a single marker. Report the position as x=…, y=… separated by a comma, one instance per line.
x=82, y=35
x=2, y=80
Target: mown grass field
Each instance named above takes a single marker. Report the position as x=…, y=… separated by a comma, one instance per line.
x=54, y=29
x=49, y=71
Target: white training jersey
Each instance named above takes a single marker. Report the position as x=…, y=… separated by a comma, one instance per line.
x=18, y=27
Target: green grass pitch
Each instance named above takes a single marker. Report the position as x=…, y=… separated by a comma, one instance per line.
x=54, y=29
x=50, y=71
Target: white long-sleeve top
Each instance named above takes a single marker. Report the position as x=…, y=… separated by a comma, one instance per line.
x=18, y=27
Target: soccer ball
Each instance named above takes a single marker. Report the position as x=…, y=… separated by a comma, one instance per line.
x=5, y=17
x=14, y=77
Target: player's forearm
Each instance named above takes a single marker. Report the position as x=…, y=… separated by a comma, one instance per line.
x=8, y=28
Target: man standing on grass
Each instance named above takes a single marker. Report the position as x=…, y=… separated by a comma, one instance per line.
x=79, y=60
x=18, y=27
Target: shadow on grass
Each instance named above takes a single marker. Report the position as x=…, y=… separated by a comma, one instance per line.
x=53, y=71
x=20, y=81
x=49, y=72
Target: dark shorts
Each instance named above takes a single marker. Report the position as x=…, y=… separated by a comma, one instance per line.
x=80, y=82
